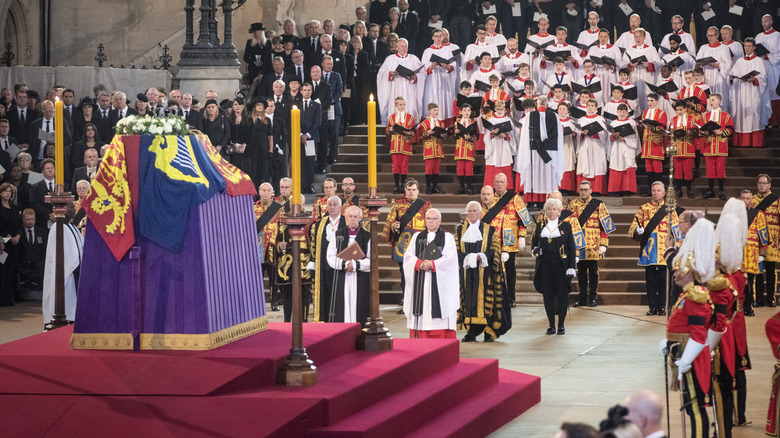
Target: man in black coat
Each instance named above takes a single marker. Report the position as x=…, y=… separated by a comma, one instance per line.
x=379, y=10
x=103, y=121
x=298, y=68
x=377, y=52
x=32, y=251
x=192, y=116
x=339, y=62
x=279, y=127
x=38, y=192
x=411, y=26
x=86, y=172
x=6, y=141
x=311, y=123
x=265, y=87
x=20, y=118
x=322, y=93
x=119, y=111
x=46, y=123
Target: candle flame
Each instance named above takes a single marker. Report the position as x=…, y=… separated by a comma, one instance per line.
x=295, y=107
x=371, y=98
x=56, y=98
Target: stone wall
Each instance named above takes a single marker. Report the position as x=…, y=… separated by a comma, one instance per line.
x=132, y=30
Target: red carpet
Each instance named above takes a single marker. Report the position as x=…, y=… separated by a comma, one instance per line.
x=421, y=388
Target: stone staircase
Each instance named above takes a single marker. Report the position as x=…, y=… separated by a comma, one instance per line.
x=621, y=281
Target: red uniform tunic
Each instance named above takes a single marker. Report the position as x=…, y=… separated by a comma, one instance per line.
x=699, y=107
x=716, y=147
x=653, y=141
x=464, y=152
x=723, y=295
x=686, y=151
x=400, y=145
x=432, y=150
x=690, y=319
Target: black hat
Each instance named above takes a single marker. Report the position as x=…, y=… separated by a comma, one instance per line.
x=195, y=101
x=211, y=101
x=86, y=101
x=288, y=38
x=142, y=97
x=226, y=103
x=260, y=100
x=675, y=38
x=293, y=78
x=254, y=27
x=345, y=27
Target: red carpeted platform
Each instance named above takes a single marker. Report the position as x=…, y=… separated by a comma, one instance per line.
x=421, y=387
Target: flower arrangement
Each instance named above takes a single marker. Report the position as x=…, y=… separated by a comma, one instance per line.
x=145, y=125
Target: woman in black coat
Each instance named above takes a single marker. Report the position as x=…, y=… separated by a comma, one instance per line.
x=553, y=247
x=216, y=126
x=261, y=142
x=256, y=51
x=89, y=140
x=240, y=134
x=362, y=83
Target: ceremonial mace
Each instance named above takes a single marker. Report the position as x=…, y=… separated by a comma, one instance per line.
x=374, y=336
x=59, y=200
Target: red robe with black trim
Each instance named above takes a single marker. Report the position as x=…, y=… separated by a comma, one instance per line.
x=684, y=145
x=652, y=142
x=431, y=145
x=718, y=145
x=398, y=143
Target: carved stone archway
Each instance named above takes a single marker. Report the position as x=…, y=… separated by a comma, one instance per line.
x=15, y=30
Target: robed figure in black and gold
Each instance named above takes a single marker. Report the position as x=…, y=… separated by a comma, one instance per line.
x=284, y=271
x=322, y=233
x=554, y=249
x=481, y=280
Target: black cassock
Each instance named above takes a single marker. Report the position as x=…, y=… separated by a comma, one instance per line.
x=323, y=274
x=557, y=255
x=363, y=239
x=482, y=291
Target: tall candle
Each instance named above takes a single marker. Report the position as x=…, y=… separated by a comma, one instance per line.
x=372, y=143
x=59, y=143
x=295, y=154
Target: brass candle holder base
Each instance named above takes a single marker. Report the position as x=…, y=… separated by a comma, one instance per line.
x=59, y=200
x=374, y=336
x=297, y=369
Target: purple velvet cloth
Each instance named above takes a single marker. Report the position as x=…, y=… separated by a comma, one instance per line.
x=214, y=282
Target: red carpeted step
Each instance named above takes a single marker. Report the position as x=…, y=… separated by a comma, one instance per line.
x=407, y=410
x=487, y=411
x=45, y=364
x=351, y=381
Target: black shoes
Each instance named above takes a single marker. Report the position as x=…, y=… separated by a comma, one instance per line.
x=722, y=196
x=707, y=195
x=488, y=338
x=771, y=304
x=468, y=338
x=561, y=331
x=396, y=190
x=758, y=303
x=750, y=312
x=550, y=331
x=592, y=303
x=579, y=304
x=651, y=312
x=660, y=312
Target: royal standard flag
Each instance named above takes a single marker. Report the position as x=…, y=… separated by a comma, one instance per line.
x=175, y=176
x=237, y=182
x=109, y=202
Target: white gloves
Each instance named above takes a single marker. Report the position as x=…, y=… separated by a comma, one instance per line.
x=576, y=260
x=504, y=257
x=692, y=350
x=470, y=261
x=662, y=346
x=571, y=272
x=713, y=338
x=311, y=266
x=760, y=259
x=640, y=230
x=603, y=249
x=521, y=242
x=483, y=259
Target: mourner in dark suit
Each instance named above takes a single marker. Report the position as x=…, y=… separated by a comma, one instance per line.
x=193, y=118
x=86, y=172
x=265, y=87
x=553, y=247
x=38, y=192
x=280, y=131
x=378, y=10
x=339, y=62
x=333, y=79
x=411, y=25
x=311, y=121
x=20, y=118
x=32, y=250
x=6, y=141
x=322, y=93
x=298, y=68
x=118, y=112
x=46, y=123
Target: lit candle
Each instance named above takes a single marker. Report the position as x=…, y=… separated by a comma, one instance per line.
x=59, y=143
x=295, y=154
x=372, y=143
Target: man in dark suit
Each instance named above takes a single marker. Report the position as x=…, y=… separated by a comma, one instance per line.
x=411, y=25
x=67, y=105
x=265, y=88
x=311, y=44
x=119, y=111
x=311, y=121
x=281, y=133
x=333, y=79
x=46, y=123
x=322, y=93
x=191, y=115
x=5, y=142
x=378, y=11
x=32, y=251
x=103, y=116
x=38, y=192
x=289, y=32
x=88, y=171
x=20, y=118
x=298, y=68
x=377, y=52
x=339, y=62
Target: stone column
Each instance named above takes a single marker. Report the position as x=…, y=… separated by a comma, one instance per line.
x=189, y=33
x=203, y=38
x=227, y=11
